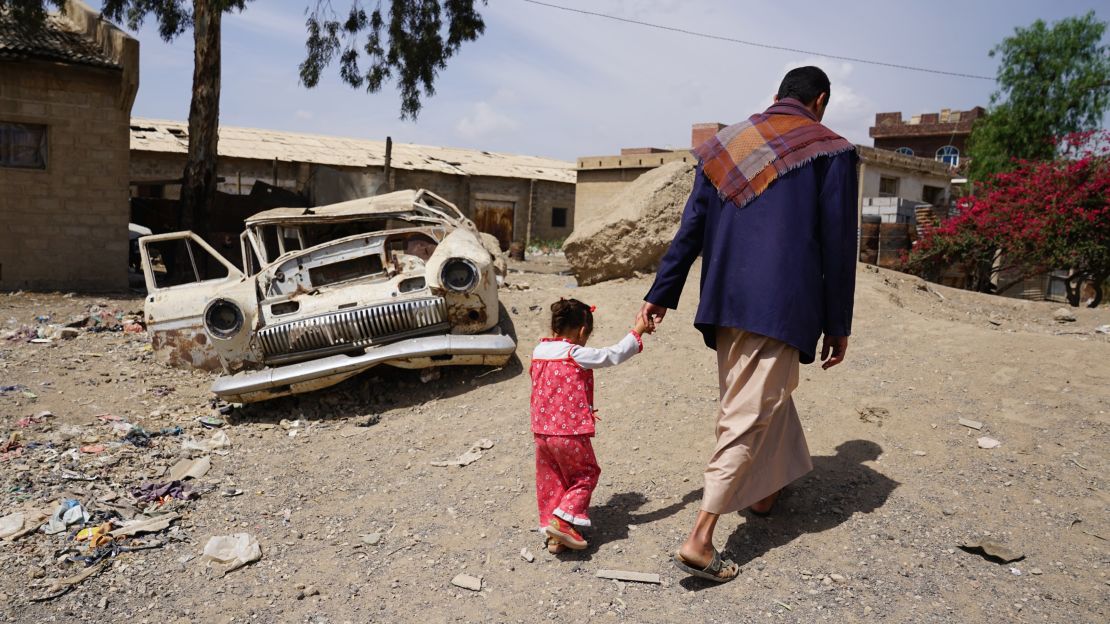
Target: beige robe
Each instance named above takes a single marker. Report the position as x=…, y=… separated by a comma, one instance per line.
x=760, y=443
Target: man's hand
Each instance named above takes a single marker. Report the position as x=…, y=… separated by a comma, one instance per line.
x=651, y=314
x=837, y=346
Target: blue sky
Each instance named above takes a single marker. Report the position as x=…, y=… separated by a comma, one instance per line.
x=550, y=83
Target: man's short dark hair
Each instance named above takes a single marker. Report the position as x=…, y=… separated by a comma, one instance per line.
x=804, y=84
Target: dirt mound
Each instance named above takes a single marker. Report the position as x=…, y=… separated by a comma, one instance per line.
x=634, y=228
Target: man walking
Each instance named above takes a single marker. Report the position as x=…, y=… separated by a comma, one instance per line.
x=773, y=214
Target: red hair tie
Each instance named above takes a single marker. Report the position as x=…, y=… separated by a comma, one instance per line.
x=593, y=309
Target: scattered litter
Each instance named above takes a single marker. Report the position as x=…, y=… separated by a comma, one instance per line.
x=68, y=512
x=1072, y=460
x=151, y=492
x=60, y=587
x=232, y=551
x=1015, y=571
x=624, y=575
x=527, y=555
x=109, y=418
x=93, y=449
x=469, y=457
x=230, y=493
x=11, y=524
x=993, y=551
x=211, y=422
x=190, y=468
x=371, y=539
x=971, y=424
x=784, y=605
x=919, y=453
x=466, y=581
x=988, y=443
x=218, y=440
x=146, y=525
x=1102, y=329
x=96, y=536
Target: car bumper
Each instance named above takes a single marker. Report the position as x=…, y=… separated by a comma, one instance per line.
x=442, y=350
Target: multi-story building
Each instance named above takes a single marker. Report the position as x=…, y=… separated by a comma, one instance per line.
x=939, y=136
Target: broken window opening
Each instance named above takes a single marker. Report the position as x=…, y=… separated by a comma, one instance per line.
x=23, y=146
x=177, y=262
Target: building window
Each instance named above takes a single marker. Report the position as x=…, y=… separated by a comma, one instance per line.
x=932, y=195
x=949, y=155
x=22, y=146
x=888, y=187
x=558, y=217
x=905, y=151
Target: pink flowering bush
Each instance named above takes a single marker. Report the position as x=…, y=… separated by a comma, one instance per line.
x=1039, y=217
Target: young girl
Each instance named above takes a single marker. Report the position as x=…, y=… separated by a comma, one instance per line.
x=563, y=418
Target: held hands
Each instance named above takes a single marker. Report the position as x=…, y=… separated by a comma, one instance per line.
x=649, y=315
x=832, y=351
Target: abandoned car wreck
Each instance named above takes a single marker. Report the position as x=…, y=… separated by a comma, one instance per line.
x=402, y=279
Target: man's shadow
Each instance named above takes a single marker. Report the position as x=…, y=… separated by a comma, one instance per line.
x=839, y=486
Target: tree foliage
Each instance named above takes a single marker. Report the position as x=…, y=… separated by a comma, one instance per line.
x=409, y=39
x=1052, y=81
x=1040, y=216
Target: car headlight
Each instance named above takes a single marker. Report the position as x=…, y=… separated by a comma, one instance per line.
x=459, y=275
x=223, y=319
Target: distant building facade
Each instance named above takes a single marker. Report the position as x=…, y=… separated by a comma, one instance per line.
x=516, y=198
x=66, y=92
x=938, y=136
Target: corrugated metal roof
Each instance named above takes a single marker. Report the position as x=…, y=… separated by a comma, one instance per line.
x=156, y=135
x=53, y=41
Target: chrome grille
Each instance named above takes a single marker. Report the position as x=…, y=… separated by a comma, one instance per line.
x=343, y=331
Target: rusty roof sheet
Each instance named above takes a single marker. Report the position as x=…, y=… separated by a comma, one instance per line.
x=155, y=135
x=55, y=40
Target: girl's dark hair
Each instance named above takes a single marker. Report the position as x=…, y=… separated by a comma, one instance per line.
x=570, y=314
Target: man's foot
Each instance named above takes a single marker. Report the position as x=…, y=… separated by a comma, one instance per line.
x=765, y=506
x=566, y=534
x=716, y=569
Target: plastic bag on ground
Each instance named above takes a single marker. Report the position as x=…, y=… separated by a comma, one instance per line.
x=69, y=512
x=232, y=551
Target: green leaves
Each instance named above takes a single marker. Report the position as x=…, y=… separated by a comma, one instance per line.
x=406, y=41
x=1052, y=81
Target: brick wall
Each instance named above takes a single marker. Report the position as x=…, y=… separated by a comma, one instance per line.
x=65, y=227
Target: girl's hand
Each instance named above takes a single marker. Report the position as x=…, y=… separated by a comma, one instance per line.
x=642, y=326
x=596, y=417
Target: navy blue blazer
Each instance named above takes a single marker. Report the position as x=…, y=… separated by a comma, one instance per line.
x=783, y=266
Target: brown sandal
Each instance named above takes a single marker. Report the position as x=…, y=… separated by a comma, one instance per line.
x=718, y=570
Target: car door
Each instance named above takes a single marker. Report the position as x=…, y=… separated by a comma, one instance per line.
x=183, y=273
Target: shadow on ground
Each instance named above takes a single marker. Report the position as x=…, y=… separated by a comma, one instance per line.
x=377, y=390
x=839, y=485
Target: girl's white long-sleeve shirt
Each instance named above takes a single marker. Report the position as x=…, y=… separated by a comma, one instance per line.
x=590, y=358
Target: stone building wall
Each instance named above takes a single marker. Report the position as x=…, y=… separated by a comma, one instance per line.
x=65, y=227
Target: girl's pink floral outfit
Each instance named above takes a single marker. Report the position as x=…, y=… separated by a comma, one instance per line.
x=563, y=423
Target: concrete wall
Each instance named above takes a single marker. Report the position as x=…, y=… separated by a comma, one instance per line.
x=150, y=169
x=911, y=185
x=65, y=227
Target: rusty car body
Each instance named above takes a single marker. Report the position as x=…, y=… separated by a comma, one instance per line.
x=401, y=279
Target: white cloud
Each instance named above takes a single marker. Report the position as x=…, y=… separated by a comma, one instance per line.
x=484, y=121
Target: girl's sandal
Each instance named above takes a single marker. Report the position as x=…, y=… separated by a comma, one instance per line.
x=554, y=546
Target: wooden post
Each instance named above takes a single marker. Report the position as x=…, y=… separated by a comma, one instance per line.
x=530, y=214
x=389, y=163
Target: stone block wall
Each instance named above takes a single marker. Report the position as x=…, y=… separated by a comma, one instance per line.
x=65, y=227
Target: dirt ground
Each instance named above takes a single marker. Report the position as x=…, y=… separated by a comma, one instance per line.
x=872, y=534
